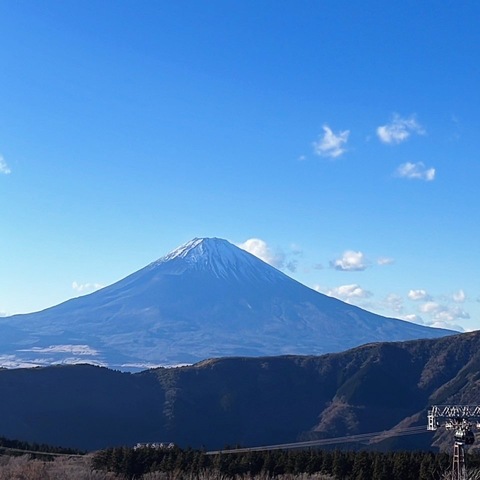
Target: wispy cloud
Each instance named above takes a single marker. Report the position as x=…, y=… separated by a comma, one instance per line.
x=350, y=261
x=442, y=315
x=74, y=349
x=459, y=296
x=385, y=261
x=441, y=311
x=4, y=168
x=399, y=129
x=394, y=302
x=86, y=287
x=416, y=171
x=330, y=144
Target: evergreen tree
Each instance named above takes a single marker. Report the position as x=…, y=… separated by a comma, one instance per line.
x=381, y=470
x=340, y=465
x=402, y=467
x=361, y=469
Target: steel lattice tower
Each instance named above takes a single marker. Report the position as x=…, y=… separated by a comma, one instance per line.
x=462, y=419
x=459, y=471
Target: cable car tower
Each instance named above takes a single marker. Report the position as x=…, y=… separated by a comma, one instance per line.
x=462, y=419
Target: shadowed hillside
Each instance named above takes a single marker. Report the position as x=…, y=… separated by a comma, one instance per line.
x=248, y=401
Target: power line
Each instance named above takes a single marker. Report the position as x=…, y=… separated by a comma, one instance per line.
x=362, y=437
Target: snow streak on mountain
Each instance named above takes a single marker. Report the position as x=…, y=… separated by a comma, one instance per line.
x=208, y=298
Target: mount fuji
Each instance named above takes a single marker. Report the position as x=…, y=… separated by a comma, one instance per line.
x=208, y=298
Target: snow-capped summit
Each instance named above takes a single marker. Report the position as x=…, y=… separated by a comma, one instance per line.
x=200, y=247
x=207, y=298
x=219, y=257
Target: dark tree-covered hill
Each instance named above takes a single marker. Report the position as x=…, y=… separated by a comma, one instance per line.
x=247, y=401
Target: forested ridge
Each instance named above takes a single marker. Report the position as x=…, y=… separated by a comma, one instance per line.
x=383, y=387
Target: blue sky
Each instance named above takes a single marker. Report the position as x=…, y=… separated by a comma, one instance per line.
x=337, y=140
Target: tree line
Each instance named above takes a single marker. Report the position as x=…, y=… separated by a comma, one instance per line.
x=6, y=444
x=339, y=464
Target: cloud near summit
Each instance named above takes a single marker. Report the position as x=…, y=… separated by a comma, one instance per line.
x=278, y=258
x=260, y=249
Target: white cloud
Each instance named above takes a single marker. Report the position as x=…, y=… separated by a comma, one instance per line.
x=385, y=261
x=446, y=325
x=399, y=129
x=416, y=171
x=4, y=167
x=349, y=292
x=330, y=144
x=444, y=316
x=459, y=296
x=418, y=295
x=350, y=261
x=277, y=258
x=86, y=287
x=260, y=249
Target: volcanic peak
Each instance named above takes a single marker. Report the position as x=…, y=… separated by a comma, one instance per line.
x=199, y=247
x=221, y=258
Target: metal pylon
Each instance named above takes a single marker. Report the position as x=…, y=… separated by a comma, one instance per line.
x=459, y=471
x=463, y=421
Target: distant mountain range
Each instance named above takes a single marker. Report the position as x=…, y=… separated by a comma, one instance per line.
x=208, y=298
x=247, y=401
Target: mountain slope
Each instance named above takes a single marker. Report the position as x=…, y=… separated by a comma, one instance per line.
x=247, y=401
x=205, y=299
